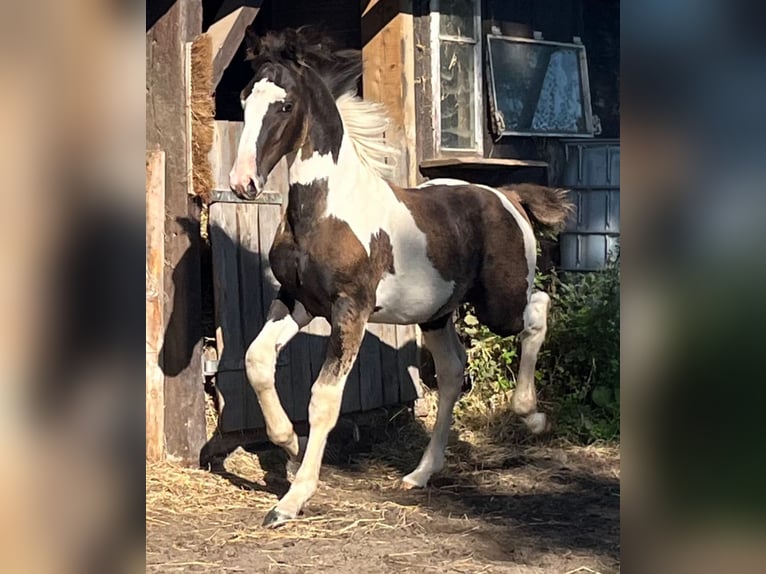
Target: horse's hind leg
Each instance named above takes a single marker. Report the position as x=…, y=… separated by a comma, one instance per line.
x=450, y=360
x=260, y=365
x=524, y=401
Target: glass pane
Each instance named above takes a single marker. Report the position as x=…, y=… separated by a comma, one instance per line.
x=458, y=96
x=538, y=87
x=456, y=18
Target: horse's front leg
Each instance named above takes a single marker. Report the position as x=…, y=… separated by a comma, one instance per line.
x=348, y=322
x=260, y=364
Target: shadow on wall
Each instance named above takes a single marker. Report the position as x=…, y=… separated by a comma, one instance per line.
x=181, y=337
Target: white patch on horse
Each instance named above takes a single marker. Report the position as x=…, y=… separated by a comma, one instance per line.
x=306, y=171
x=416, y=290
x=265, y=93
x=530, y=243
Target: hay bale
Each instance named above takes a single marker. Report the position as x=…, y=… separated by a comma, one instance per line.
x=202, y=115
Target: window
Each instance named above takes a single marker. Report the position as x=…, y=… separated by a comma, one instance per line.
x=456, y=74
x=538, y=88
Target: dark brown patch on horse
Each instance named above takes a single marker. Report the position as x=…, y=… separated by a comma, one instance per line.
x=475, y=242
x=348, y=321
x=381, y=255
x=318, y=259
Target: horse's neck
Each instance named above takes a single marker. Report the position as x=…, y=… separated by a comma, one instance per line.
x=351, y=189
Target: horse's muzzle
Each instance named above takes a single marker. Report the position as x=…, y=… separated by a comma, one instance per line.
x=249, y=190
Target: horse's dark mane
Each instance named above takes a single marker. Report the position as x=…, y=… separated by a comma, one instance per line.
x=307, y=47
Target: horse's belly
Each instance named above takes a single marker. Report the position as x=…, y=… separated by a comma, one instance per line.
x=410, y=296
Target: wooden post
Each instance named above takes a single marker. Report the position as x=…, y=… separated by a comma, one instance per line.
x=184, y=416
x=227, y=34
x=155, y=287
x=388, y=59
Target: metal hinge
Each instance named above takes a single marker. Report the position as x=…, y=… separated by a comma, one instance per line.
x=228, y=196
x=209, y=367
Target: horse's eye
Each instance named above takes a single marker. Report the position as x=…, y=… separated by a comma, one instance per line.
x=287, y=107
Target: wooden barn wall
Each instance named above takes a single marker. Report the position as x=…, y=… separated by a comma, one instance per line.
x=184, y=416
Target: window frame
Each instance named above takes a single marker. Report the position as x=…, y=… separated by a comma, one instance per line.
x=436, y=40
x=585, y=85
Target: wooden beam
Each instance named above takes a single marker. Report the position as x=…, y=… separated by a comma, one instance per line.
x=388, y=59
x=155, y=296
x=481, y=162
x=227, y=34
x=184, y=414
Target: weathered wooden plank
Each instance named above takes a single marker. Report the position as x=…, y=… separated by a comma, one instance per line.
x=481, y=162
x=300, y=371
x=250, y=262
x=224, y=152
x=424, y=148
x=389, y=366
x=166, y=129
x=316, y=334
x=351, y=392
x=251, y=309
x=224, y=241
x=227, y=34
x=409, y=159
x=409, y=381
x=370, y=388
x=388, y=61
x=269, y=217
x=155, y=258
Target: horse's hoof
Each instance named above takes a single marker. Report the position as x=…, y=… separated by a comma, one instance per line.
x=408, y=483
x=275, y=518
x=537, y=423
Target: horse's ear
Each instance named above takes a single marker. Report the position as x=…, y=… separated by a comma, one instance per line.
x=252, y=44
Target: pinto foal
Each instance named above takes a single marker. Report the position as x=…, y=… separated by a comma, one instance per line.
x=353, y=248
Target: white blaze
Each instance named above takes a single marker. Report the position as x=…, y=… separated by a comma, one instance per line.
x=265, y=93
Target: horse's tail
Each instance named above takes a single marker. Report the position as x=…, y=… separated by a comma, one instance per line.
x=547, y=207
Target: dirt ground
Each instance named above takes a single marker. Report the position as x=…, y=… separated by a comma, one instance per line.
x=499, y=506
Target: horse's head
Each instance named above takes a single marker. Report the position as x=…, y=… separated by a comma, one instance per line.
x=297, y=75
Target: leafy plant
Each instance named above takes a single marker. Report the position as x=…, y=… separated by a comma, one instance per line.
x=578, y=367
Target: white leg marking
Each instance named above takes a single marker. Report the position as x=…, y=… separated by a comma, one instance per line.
x=524, y=400
x=260, y=364
x=324, y=408
x=450, y=359
x=326, y=397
